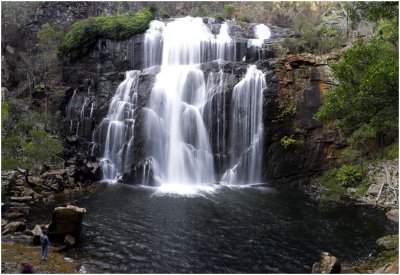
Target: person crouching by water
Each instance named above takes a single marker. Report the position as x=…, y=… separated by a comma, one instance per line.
x=45, y=245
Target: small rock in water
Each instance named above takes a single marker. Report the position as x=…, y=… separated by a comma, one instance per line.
x=328, y=264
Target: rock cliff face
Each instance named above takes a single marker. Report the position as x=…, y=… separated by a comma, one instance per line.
x=299, y=83
x=296, y=82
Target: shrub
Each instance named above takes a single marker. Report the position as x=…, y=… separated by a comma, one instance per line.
x=349, y=175
x=287, y=141
x=229, y=9
x=41, y=147
x=84, y=33
x=333, y=190
x=350, y=156
x=391, y=151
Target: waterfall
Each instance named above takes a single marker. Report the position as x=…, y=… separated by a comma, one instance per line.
x=262, y=33
x=175, y=128
x=225, y=45
x=217, y=124
x=116, y=131
x=185, y=112
x=153, y=44
x=246, y=129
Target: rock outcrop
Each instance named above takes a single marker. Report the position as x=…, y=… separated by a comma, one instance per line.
x=66, y=220
x=300, y=81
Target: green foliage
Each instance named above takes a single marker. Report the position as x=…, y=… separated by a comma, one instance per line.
x=363, y=187
x=336, y=180
x=349, y=175
x=333, y=190
x=315, y=37
x=11, y=152
x=284, y=112
x=366, y=101
x=46, y=36
x=84, y=33
x=41, y=147
x=229, y=9
x=350, y=156
x=25, y=143
x=391, y=151
x=4, y=112
x=372, y=11
x=287, y=141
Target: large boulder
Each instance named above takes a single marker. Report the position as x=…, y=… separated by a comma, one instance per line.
x=328, y=264
x=66, y=220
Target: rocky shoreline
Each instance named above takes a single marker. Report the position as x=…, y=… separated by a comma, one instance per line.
x=381, y=194
x=20, y=196
x=20, y=243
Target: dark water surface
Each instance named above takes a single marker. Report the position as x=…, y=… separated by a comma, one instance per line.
x=234, y=230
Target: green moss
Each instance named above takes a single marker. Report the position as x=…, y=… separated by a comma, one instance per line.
x=84, y=33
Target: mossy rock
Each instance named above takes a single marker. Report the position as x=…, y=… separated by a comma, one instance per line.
x=84, y=33
x=388, y=242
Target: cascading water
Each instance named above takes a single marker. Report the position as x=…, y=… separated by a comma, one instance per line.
x=116, y=131
x=179, y=141
x=246, y=129
x=153, y=44
x=262, y=33
x=184, y=113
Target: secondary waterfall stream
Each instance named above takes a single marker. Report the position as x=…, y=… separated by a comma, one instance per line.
x=186, y=112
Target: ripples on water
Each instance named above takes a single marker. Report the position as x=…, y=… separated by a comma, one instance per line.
x=231, y=230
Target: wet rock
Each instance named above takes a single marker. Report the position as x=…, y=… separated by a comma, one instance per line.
x=388, y=242
x=23, y=209
x=21, y=199
x=14, y=227
x=17, y=204
x=328, y=264
x=69, y=240
x=66, y=220
x=393, y=215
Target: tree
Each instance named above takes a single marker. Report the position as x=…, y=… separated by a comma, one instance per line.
x=25, y=143
x=365, y=103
